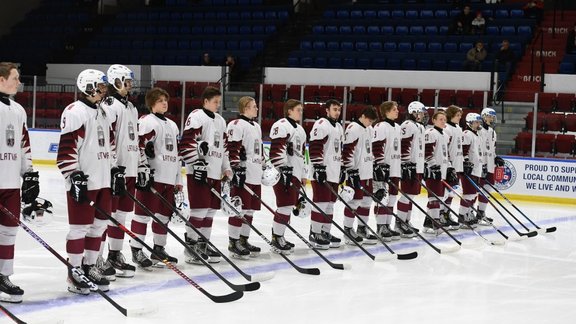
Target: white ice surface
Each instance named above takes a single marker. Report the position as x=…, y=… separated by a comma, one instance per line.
x=529, y=281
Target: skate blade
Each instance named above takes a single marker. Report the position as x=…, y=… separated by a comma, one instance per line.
x=125, y=273
x=79, y=291
x=14, y=299
x=239, y=257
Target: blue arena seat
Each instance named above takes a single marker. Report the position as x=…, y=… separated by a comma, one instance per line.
x=361, y=46
x=375, y=46
x=450, y=47
x=383, y=14
x=393, y=64
x=411, y=14
x=331, y=29
x=434, y=47
x=426, y=14
x=370, y=14
x=345, y=29
x=402, y=30
x=356, y=14
x=441, y=14
x=431, y=30
x=346, y=46
x=389, y=46
x=387, y=30
x=419, y=47
x=566, y=68
x=508, y=30
x=306, y=45
x=501, y=13
x=363, y=63
x=524, y=30
x=359, y=30
x=379, y=63
x=424, y=64
x=319, y=46
x=492, y=30
x=342, y=14
x=516, y=13
x=317, y=29
x=404, y=47
x=333, y=46
x=416, y=30
x=320, y=62
x=349, y=63
x=397, y=14
x=373, y=30
x=409, y=64
x=335, y=62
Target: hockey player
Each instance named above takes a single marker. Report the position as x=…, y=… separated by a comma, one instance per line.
x=357, y=159
x=287, y=154
x=204, y=150
x=17, y=162
x=488, y=135
x=453, y=115
x=387, y=165
x=326, y=157
x=245, y=153
x=412, y=163
x=159, y=168
x=472, y=166
x=85, y=160
x=437, y=163
x=123, y=117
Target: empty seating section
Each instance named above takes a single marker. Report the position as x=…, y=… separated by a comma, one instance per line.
x=416, y=37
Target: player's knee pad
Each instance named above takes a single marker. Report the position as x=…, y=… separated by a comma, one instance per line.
x=198, y=212
x=120, y=216
x=8, y=234
x=97, y=228
x=163, y=219
x=141, y=219
x=286, y=210
x=77, y=232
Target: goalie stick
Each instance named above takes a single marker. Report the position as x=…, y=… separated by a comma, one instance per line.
x=310, y=271
x=480, y=190
x=406, y=256
x=217, y=299
x=11, y=316
x=338, y=266
x=248, y=277
x=245, y=287
x=540, y=230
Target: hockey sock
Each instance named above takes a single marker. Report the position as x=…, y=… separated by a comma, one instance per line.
x=245, y=230
x=234, y=227
x=114, y=233
x=138, y=227
x=280, y=219
x=159, y=230
x=94, y=240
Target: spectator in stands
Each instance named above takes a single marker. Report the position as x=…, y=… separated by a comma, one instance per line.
x=475, y=56
x=534, y=9
x=206, y=61
x=571, y=43
x=478, y=24
x=463, y=22
x=504, y=61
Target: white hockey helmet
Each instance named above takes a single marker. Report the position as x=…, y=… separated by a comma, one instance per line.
x=88, y=81
x=416, y=107
x=489, y=116
x=473, y=117
x=347, y=193
x=119, y=72
x=302, y=208
x=270, y=176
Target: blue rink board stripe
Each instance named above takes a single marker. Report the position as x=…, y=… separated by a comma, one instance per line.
x=27, y=307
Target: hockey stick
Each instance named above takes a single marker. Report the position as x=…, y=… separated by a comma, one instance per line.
x=460, y=218
x=93, y=287
x=246, y=287
x=540, y=230
x=427, y=215
x=338, y=266
x=254, y=278
x=407, y=256
x=478, y=188
x=370, y=255
x=435, y=248
x=217, y=299
x=310, y=271
x=472, y=207
x=11, y=316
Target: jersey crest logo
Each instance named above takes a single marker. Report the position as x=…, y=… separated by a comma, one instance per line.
x=101, y=139
x=396, y=144
x=131, y=131
x=10, y=135
x=420, y=143
x=368, y=146
x=444, y=150
x=336, y=145
x=257, y=147
x=298, y=144
x=169, y=142
x=216, y=140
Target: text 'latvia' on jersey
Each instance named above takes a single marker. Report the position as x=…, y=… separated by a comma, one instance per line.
x=357, y=150
x=386, y=146
x=163, y=132
x=205, y=126
x=15, y=154
x=124, y=122
x=412, y=146
x=288, y=146
x=326, y=147
x=436, y=149
x=85, y=144
x=455, y=139
x=245, y=148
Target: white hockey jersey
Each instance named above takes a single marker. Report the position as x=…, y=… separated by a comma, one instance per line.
x=488, y=136
x=163, y=132
x=15, y=154
x=288, y=146
x=413, y=144
x=85, y=144
x=326, y=147
x=357, y=150
x=123, y=117
x=205, y=126
x=455, y=145
x=436, y=149
x=245, y=147
x=386, y=145
x=472, y=150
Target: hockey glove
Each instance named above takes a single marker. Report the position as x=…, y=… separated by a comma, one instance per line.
x=145, y=178
x=433, y=172
x=286, y=176
x=342, y=175
x=379, y=190
x=484, y=171
x=199, y=170
x=118, y=184
x=290, y=149
x=408, y=171
x=451, y=175
x=30, y=187
x=319, y=173
x=301, y=209
x=242, y=155
x=468, y=167
x=499, y=161
x=239, y=176
x=149, y=150
x=79, y=187
x=381, y=172
x=354, y=178
x=203, y=148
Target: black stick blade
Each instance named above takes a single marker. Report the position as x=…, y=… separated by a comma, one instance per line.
x=529, y=234
x=309, y=271
x=252, y=286
x=408, y=256
x=227, y=298
x=551, y=229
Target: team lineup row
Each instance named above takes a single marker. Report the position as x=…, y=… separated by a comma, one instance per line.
x=112, y=161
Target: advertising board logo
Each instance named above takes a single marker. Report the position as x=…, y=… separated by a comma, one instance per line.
x=504, y=177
